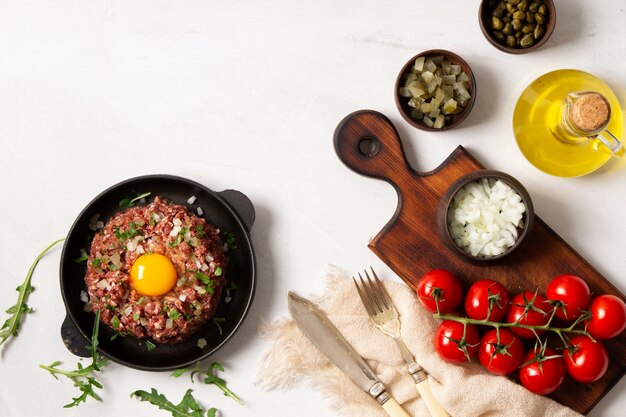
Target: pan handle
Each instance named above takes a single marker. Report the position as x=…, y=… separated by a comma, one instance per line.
x=242, y=205
x=368, y=143
x=73, y=340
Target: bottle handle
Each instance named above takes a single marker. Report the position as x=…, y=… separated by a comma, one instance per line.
x=610, y=141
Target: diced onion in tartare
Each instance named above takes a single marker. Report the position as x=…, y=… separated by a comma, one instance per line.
x=484, y=217
x=199, y=211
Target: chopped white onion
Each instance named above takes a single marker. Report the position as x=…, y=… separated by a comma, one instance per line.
x=83, y=297
x=199, y=211
x=191, y=199
x=177, y=222
x=209, y=257
x=102, y=284
x=175, y=230
x=115, y=260
x=204, y=267
x=140, y=250
x=143, y=321
x=484, y=217
x=158, y=326
x=182, y=297
x=169, y=323
x=128, y=310
x=202, y=343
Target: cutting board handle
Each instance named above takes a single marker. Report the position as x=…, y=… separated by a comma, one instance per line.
x=368, y=143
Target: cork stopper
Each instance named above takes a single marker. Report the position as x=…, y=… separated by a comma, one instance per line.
x=590, y=112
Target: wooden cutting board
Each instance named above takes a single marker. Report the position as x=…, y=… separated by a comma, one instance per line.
x=368, y=143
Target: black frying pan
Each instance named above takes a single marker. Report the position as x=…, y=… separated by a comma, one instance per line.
x=229, y=210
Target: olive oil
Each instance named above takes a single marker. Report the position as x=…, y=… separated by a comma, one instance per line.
x=538, y=125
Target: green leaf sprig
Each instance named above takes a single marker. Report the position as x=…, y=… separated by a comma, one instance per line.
x=211, y=378
x=12, y=325
x=83, y=378
x=188, y=406
x=128, y=202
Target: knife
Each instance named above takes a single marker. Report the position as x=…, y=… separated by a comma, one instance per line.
x=323, y=334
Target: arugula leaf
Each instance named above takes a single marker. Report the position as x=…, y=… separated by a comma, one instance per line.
x=12, y=325
x=83, y=377
x=83, y=256
x=210, y=379
x=125, y=203
x=188, y=406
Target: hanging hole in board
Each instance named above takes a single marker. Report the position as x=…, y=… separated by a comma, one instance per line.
x=369, y=146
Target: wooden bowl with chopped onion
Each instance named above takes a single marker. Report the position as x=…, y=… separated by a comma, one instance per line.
x=485, y=216
x=435, y=90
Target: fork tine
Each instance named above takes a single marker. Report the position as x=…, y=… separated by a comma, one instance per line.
x=382, y=289
x=364, y=298
x=373, y=294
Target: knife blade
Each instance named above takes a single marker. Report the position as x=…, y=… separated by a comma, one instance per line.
x=324, y=335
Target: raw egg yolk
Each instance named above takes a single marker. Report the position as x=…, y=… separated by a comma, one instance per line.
x=153, y=274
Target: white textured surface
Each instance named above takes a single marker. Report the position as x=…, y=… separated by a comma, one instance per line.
x=246, y=95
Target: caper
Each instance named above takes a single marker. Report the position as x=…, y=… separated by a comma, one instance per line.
x=527, y=41
x=511, y=8
x=517, y=25
x=528, y=28
x=513, y=2
x=506, y=19
x=519, y=15
x=539, y=31
x=510, y=41
x=523, y=5
x=533, y=7
x=542, y=9
x=499, y=35
x=497, y=12
x=496, y=23
x=530, y=18
x=508, y=29
x=518, y=34
x=540, y=18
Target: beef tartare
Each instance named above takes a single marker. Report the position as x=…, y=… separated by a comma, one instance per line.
x=156, y=271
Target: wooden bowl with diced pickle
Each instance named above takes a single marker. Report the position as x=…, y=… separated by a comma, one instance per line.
x=435, y=90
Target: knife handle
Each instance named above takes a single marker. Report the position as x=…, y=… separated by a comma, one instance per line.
x=433, y=406
x=394, y=409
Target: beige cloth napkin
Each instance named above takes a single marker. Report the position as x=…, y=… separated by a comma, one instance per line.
x=466, y=390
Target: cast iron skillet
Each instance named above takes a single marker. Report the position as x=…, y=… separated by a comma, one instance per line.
x=229, y=210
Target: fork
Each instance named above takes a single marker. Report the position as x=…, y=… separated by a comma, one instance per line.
x=384, y=315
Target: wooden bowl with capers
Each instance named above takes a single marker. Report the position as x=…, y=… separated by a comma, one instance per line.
x=517, y=26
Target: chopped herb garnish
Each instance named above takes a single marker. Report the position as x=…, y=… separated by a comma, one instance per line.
x=218, y=271
x=217, y=321
x=211, y=378
x=115, y=322
x=96, y=262
x=199, y=231
x=125, y=203
x=140, y=300
x=173, y=314
x=150, y=345
x=12, y=325
x=230, y=240
x=130, y=233
x=83, y=256
x=136, y=316
x=116, y=335
x=188, y=406
x=112, y=266
x=82, y=377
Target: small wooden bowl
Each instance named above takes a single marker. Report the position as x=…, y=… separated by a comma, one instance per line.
x=446, y=201
x=484, y=18
x=402, y=103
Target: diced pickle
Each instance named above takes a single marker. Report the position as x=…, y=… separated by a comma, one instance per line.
x=455, y=69
x=439, y=122
x=449, y=106
x=419, y=64
x=428, y=121
x=430, y=65
x=427, y=76
x=404, y=92
x=434, y=113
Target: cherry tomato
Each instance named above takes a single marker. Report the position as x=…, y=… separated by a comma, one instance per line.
x=500, y=358
x=572, y=292
x=447, y=339
x=440, y=285
x=608, y=317
x=545, y=374
x=483, y=293
x=586, y=360
x=538, y=313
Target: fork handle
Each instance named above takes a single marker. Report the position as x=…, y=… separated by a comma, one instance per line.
x=394, y=409
x=432, y=404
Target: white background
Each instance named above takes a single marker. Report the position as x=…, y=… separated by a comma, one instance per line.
x=246, y=95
